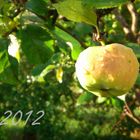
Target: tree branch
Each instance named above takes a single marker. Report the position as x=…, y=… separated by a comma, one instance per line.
x=14, y=29
x=126, y=113
x=134, y=16
x=122, y=21
x=124, y=25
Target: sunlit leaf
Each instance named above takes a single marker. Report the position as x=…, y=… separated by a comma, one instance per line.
x=103, y=4
x=84, y=98
x=43, y=73
x=59, y=74
x=117, y=103
x=100, y=100
x=77, y=11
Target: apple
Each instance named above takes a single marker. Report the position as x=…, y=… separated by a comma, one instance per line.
x=109, y=70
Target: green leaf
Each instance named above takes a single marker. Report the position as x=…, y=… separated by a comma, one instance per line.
x=39, y=76
x=77, y=11
x=1, y=3
x=4, y=61
x=135, y=47
x=117, y=103
x=84, y=98
x=102, y=4
x=37, y=6
x=40, y=71
x=4, y=44
x=8, y=65
x=74, y=45
x=138, y=80
x=10, y=74
x=36, y=44
x=100, y=100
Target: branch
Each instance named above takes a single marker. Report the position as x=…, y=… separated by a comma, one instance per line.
x=130, y=114
x=14, y=29
x=134, y=16
x=122, y=21
x=126, y=113
x=124, y=25
x=6, y=34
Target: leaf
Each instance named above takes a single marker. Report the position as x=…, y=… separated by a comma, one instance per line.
x=1, y=3
x=13, y=48
x=59, y=74
x=47, y=69
x=43, y=69
x=77, y=11
x=104, y=4
x=135, y=47
x=43, y=73
x=116, y=102
x=38, y=69
x=100, y=100
x=37, y=6
x=138, y=80
x=35, y=44
x=74, y=45
x=4, y=62
x=84, y=98
x=8, y=65
x=10, y=74
x=4, y=44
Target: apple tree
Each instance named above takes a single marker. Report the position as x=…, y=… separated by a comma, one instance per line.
x=40, y=41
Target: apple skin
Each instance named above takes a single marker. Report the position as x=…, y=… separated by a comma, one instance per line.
x=109, y=70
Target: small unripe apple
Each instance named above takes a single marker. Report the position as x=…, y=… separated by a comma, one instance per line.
x=109, y=70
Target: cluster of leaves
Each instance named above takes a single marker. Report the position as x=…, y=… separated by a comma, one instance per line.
x=39, y=44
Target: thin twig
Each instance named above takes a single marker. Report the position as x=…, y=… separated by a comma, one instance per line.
x=122, y=117
x=122, y=21
x=14, y=29
x=126, y=112
x=130, y=114
x=134, y=16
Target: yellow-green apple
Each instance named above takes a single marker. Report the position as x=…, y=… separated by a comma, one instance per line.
x=109, y=70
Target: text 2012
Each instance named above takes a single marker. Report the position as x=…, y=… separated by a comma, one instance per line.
x=19, y=114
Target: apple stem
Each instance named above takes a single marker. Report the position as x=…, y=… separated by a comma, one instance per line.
x=98, y=37
x=102, y=42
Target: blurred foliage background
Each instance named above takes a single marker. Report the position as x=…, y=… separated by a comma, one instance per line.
x=39, y=44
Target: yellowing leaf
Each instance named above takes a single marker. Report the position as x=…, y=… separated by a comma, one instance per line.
x=59, y=74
